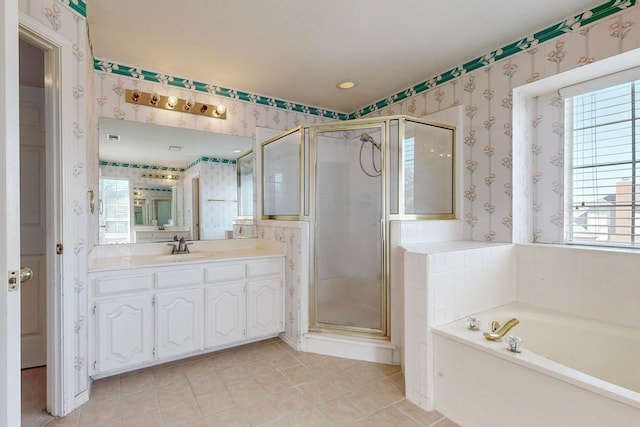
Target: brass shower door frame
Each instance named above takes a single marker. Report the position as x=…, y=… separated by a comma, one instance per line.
x=308, y=203
x=314, y=324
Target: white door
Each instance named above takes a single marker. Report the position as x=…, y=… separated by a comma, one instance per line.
x=225, y=314
x=179, y=320
x=126, y=332
x=264, y=307
x=33, y=230
x=9, y=218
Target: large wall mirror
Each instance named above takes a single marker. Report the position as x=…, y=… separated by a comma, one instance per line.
x=158, y=182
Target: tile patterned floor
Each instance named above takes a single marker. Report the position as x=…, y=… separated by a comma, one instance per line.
x=266, y=383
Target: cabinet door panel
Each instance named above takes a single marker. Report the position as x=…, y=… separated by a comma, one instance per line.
x=225, y=314
x=179, y=319
x=264, y=307
x=125, y=331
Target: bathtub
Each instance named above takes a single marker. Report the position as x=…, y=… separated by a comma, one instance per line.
x=572, y=371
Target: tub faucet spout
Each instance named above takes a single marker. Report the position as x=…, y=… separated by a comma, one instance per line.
x=501, y=331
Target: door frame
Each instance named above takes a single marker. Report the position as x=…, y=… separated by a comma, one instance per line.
x=10, y=388
x=58, y=52
x=195, y=207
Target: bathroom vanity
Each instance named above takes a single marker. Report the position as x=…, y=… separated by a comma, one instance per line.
x=148, y=306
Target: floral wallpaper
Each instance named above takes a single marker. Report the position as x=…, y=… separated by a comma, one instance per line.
x=482, y=86
x=295, y=236
x=484, y=89
x=66, y=20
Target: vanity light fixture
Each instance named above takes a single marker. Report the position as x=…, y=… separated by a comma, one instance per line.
x=160, y=176
x=174, y=103
x=154, y=99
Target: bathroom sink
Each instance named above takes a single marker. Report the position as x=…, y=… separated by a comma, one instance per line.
x=194, y=256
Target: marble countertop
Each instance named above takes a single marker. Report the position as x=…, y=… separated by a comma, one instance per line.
x=104, y=258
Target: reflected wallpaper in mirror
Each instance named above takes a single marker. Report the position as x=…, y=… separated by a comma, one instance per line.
x=157, y=182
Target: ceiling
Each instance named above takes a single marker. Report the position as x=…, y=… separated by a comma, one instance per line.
x=297, y=50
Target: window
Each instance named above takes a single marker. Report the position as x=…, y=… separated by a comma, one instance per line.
x=116, y=214
x=604, y=200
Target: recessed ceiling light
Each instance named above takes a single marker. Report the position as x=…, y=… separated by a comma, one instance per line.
x=346, y=84
x=113, y=137
x=175, y=148
x=237, y=150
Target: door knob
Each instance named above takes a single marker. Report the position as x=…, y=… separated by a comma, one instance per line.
x=25, y=274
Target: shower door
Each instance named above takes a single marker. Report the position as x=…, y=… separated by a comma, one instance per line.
x=349, y=279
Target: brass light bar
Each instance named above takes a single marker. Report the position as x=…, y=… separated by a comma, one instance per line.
x=173, y=103
x=159, y=175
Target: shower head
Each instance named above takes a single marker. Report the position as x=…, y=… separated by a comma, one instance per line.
x=365, y=137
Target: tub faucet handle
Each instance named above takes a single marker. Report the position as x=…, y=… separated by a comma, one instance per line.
x=473, y=323
x=514, y=344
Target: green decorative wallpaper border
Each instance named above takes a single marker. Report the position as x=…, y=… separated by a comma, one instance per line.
x=79, y=6
x=168, y=168
x=184, y=83
x=571, y=24
x=139, y=166
x=566, y=26
x=211, y=160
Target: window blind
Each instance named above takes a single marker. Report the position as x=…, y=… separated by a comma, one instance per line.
x=604, y=153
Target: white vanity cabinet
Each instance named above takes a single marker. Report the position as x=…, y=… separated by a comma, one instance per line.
x=263, y=307
x=179, y=322
x=146, y=315
x=226, y=314
x=126, y=337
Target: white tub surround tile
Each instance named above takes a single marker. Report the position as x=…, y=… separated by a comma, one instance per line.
x=592, y=282
x=445, y=281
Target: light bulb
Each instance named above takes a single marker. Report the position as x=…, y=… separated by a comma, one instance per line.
x=221, y=109
x=172, y=101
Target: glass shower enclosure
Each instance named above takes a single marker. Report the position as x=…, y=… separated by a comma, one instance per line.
x=349, y=180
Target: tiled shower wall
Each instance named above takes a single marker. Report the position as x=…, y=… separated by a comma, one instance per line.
x=486, y=97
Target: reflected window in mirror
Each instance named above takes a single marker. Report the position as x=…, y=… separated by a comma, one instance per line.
x=115, y=215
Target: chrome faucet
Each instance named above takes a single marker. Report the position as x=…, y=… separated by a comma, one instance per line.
x=182, y=247
x=497, y=331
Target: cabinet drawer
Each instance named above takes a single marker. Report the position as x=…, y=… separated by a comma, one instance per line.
x=105, y=286
x=224, y=273
x=262, y=269
x=167, y=279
